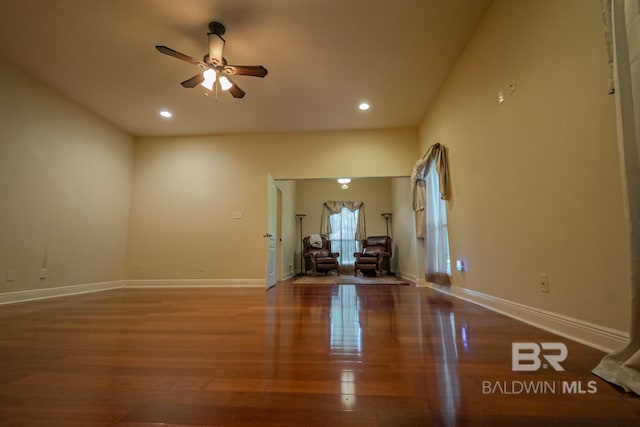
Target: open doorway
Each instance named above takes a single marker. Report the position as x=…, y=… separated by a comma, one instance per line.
x=380, y=195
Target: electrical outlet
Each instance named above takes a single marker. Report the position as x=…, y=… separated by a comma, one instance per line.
x=11, y=275
x=43, y=273
x=544, y=283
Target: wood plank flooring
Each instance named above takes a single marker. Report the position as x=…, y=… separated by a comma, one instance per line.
x=296, y=355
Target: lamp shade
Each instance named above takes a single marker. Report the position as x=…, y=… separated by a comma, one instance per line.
x=209, y=78
x=225, y=83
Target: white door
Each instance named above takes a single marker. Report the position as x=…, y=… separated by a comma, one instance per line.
x=272, y=206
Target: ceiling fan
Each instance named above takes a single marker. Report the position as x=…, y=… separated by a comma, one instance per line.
x=215, y=70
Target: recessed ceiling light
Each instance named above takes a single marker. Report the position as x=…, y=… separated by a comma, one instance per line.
x=166, y=114
x=364, y=106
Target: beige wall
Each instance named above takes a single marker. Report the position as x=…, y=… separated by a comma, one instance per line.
x=403, y=229
x=375, y=193
x=65, y=181
x=186, y=190
x=536, y=181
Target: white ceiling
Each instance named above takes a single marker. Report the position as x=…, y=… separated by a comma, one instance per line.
x=323, y=57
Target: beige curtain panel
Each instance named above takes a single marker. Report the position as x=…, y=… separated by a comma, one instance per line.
x=329, y=208
x=622, y=32
x=436, y=153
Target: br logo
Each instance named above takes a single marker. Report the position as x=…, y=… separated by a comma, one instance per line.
x=529, y=356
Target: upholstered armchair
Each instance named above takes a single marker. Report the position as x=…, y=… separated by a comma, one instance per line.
x=375, y=256
x=319, y=258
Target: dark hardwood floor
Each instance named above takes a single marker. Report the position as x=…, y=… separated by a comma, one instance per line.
x=296, y=355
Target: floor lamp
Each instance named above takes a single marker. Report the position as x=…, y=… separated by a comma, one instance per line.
x=386, y=216
x=300, y=216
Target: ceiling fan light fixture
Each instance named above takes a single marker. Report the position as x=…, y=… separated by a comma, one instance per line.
x=225, y=83
x=364, y=106
x=209, y=78
x=344, y=180
x=215, y=65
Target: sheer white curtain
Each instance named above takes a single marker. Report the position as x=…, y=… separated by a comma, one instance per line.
x=436, y=239
x=331, y=208
x=343, y=234
x=622, y=31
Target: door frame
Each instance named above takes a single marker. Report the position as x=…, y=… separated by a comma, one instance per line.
x=273, y=235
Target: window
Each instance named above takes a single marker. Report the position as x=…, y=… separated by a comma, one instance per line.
x=343, y=235
x=437, y=260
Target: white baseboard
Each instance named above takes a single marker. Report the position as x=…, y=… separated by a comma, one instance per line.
x=596, y=336
x=62, y=291
x=411, y=278
x=195, y=283
x=287, y=277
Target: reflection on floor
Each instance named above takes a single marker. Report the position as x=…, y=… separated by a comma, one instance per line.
x=346, y=333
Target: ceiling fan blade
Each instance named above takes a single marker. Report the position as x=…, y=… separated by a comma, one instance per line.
x=193, y=81
x=176, y=54
x=235, y=91
x=216, y=46
x=246, y=70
